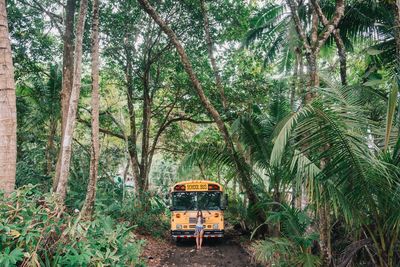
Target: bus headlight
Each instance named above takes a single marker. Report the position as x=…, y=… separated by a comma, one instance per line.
x=179, y=226
x=215, y=226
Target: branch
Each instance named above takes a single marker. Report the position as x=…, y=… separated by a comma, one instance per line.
x=53, y=17
x=338, y=40
x=170, y=150
x=330, y=26
x=297, y=23
x=105, y=131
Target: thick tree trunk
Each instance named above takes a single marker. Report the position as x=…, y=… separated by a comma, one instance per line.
x=95, y=151
x=210, y=47
x=241, y=169
x=275, y=230
x=131, y=140
x=312, y=68
x=8, y=108
x=67, y=75
x=66, y=148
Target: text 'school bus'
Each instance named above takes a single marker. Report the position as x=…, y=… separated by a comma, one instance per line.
x=190, y=196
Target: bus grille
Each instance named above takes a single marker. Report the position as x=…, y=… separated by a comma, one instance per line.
x=192, y=219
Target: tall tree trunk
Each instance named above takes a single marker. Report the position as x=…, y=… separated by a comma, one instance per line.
x=325, y=233
x=131, y=140
x=8, y=108
x=95, y=151
x=312, y=68
x=66, y=148
x=342, y=56
x=67, y=75
x=312, y=48
x=50, y=145
x=146, y=119
x=240, y=167
x=396, y=11
x=210, y=48
x=296, y=74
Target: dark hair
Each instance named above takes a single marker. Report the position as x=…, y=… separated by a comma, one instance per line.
x=201, y=213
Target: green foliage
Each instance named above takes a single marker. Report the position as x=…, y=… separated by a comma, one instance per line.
x=10, y=258
x=294, y=247
x=149, y=214
x=35, y=230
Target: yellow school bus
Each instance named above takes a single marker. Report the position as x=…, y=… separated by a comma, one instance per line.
x=190, y=196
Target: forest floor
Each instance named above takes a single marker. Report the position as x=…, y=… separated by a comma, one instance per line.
x=226, y=252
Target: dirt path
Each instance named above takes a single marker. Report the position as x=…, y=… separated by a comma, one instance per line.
x=222, y=253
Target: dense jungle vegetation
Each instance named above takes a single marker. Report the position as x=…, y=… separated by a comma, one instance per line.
x=292, y=105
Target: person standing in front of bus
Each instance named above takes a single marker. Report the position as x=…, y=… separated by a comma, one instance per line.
x=199, y=230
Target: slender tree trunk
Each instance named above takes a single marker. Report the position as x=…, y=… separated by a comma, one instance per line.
x=396, y=11
x=241, y=169
x=8, y=108
x=312, y=48
x=342, y=56
x=293, y=109
x=312, y=67
x=146, y=119
x=210, y=47
x=203, y=176
x=95, y=151
x=66, y=149
x=296, y=74
x=67, y=76
x=325, y=234
x=50, y=146
x=125, y=179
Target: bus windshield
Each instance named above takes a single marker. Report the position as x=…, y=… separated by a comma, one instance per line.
x=196, y=200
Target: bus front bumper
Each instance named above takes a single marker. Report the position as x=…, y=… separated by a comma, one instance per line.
x=190, y=233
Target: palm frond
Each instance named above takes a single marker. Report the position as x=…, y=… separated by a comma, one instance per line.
x=208, y=155
x=283, y=131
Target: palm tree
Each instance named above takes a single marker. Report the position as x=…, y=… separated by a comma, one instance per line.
x=358, y=183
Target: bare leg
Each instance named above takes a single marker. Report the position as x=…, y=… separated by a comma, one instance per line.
x=201, y=237
x=197, y=240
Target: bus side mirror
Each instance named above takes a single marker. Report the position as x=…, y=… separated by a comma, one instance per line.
x=167, y=196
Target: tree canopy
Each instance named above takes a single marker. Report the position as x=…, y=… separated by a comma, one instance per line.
x=293, y=106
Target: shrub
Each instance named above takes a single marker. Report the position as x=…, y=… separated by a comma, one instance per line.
x=35, y=231
x=150, y=214
x=293, y=248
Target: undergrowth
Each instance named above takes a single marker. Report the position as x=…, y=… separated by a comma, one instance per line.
x=36, y=231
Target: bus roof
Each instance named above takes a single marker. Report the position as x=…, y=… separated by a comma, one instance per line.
x=196, y=181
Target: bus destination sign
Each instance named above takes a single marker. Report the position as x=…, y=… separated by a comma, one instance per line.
x=196, y=187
